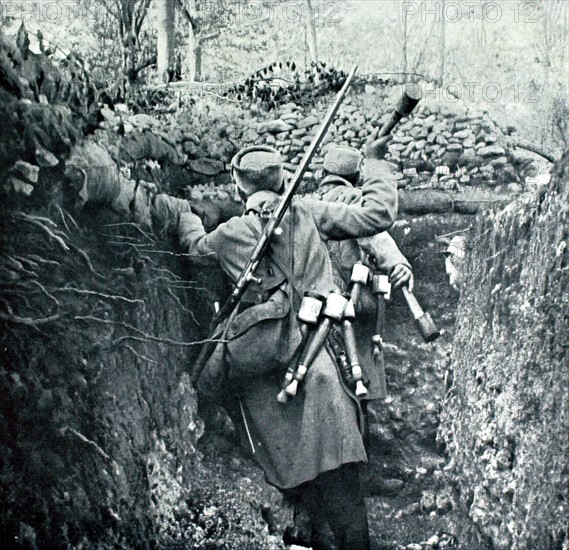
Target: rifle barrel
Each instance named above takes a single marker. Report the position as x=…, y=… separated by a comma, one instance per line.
x=284, y=203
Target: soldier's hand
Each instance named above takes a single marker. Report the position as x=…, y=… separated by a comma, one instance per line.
x=402, y=275
x=377, y=148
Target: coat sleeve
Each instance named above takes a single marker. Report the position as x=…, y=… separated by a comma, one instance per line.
x=202, y=247
x=384, y=251
x=373, y=213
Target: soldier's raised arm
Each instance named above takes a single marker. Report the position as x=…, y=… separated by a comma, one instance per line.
x=377, y=208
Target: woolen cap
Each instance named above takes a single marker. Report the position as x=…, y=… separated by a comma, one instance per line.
x=258, y=168
x=342, y=160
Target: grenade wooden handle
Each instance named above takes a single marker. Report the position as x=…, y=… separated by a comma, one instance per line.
x=423, y=321
x=311, y=351
x=352, y=353
x=308, y=315
x=333, y=311
x=360, y=274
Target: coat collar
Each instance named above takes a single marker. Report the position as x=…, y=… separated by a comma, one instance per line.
x=331, y=181
x=262, y=202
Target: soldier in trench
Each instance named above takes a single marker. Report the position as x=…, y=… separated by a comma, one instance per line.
x=341, y=175
x=311, y=446
x=339, y=184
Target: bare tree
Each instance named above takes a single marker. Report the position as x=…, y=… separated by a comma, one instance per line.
x=553, y=16
x=165, y=47
x=310, y=27
x=205, y=21
x=128, y=17
x=442, y=47
x=412, y=41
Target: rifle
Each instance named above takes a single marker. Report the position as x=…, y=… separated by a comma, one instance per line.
x=247, y=275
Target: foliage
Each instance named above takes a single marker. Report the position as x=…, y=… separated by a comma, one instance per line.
x=283, y=82
x=122, y=34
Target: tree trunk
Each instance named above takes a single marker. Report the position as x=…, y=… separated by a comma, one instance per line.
x=193, y=58
x=311, y=38
x=166, y=39
x=198, y=64
x=193, y=55
x=404, y=52
x=442, y=47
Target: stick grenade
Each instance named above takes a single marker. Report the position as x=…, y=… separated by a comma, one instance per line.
x=337, y=342
x=381, y=288
x=423, y=321
x=333, y=311
x=351, y=348
x=360, y=274
x=408, y=101
x=308, y=315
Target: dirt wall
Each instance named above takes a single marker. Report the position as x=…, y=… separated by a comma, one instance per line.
x=505, y=420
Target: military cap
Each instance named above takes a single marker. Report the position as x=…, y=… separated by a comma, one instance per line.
x=342, y=160
x=456, y=247
x=257, y=168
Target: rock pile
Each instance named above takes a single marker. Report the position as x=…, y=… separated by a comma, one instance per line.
x=437, y=146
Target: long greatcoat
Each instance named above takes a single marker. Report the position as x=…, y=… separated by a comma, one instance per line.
x=316, y=431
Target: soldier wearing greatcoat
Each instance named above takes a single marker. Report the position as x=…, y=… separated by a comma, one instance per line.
x=310, y=446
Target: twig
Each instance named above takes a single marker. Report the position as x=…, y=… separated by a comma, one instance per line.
x=180, y=285
x=167, y=341
x=100, y=295
x=458, y=232
x=177, y=277
x=89, y=442
x=134, y=352
x=39, y=222
x=41, y=219
x=136, y=245
x=15, y=265
x=28, y=321
x=26, y=260
x=41, y=260
x=125, y=237
x=494, y=255
x=225, y=98
x=136, y=226
x=144, y=337
x=45, y=292
x=71, y=218
x=184, y=255
x=184, y=308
